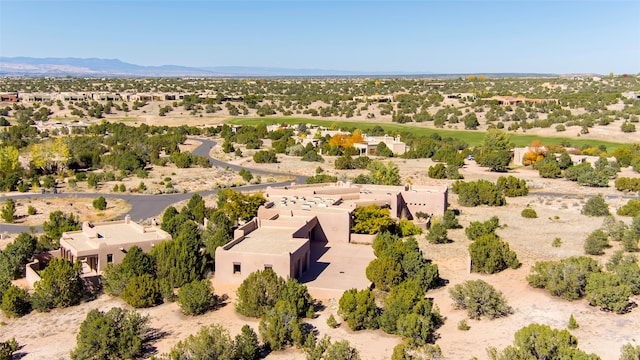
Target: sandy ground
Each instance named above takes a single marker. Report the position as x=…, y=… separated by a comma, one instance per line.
x=52, y=335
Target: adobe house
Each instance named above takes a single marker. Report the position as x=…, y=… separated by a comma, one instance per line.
x=104, y=243
x=370, y=143
x=298, y=219
x=9, y=97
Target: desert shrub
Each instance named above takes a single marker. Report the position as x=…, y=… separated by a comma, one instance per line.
x=8, y=211
x=196, y=297
x=142, y=291
x=529, y=213
x=549, y=169
x=606, y=291
x=596, y=242
x=565, y=278
x=489, y=255
x=462, y=325
x=324, y=349
x=437, y=171
x=116, y=334
x=596, y=206
x=481, y=192
x=627, y=184
x=630, y=241
x=480, y=299
x=246, y=345
x=31, y=210
x=511, y=186
x=280, y=326
x=100, y=203
x=60, y=285
x=478, y=229
x=331, y=322
x=629, y=352
x=359, y=309
x=449, y=220
x=614, y=229
x=211, y=342
x=438, y=234
x=408, y=228
x=8, y=348
x=631, y=208
x=16, y=255
x=371, y=219
x=260, y=291
x=321, y=178
x=627, y=269
x=265, y=156
x=573, y=324
x=15, y=302
x=408, y=313
x=557, y=242
x=537, y=341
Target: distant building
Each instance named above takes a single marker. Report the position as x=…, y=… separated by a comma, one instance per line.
x=370, y=143
x=513, y=101
x=9, y=97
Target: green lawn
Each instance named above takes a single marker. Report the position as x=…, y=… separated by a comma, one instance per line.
x=471, y=137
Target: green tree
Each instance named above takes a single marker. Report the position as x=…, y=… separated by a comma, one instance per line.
x=142, y=291
x=477, y=229
x=382, y=174
x=541, y=342
x=383, y=150
x=384, y=272
x=8, y=348
x=358, y=309
x=596, y=242
x=407, y=300
x=135, y=263
x=438, y=234
x=371, y=219
x=16, y=255
x=481, y=192
x=480, y=299
x=211, y=342
x=573, y=324
x=631, y=208
x=449, y=220
x=196, y=297
x=280, y=326
x=60, y=285
x=565, y=278
x=511, y=186
x=629, y=352
x=596, y=206
x=606, y=291
x=246, y=344
x=8, y=211
x=238, y=206
x=53, y=229
x=179, y=261
x=437, y=171
x=408, y=228
x=489, y=255
x=100, y=203
x=15, y=302
x=115, y=334
x=196, y=208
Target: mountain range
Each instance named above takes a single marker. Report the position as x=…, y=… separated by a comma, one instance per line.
x=28, y=66
x=95, y=67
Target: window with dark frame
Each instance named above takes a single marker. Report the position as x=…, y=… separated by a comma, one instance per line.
x=236, y=268
x=109, y=258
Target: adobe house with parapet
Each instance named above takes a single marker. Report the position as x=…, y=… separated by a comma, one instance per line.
x=104, y=243
x=297, y=219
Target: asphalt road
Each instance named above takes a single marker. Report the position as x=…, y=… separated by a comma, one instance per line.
x=148, y=206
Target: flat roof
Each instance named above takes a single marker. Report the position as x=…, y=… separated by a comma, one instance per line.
x=269, y=240
x=111, y=234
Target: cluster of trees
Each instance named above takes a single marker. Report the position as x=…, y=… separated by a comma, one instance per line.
x=616, y=230
x=280, y=304
x=577, y=277
x=484, y=192
x=440, y=171
x=402, y=272
x=380, y=174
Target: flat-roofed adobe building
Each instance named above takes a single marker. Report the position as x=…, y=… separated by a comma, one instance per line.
x=299, y=223
x=103, y=243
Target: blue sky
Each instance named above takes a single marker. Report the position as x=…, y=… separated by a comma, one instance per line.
x=452, y=36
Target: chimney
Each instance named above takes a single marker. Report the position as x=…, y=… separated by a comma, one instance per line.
x=127, y=219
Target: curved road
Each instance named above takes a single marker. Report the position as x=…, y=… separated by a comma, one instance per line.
x=147, y=206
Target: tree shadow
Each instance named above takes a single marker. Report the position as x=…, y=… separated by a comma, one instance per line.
x=152, y=336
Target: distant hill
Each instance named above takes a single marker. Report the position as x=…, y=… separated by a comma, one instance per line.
x=28, y=66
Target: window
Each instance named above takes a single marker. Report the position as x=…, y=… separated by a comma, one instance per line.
x=268, y=266
x=109, y=258
x=236, y=268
